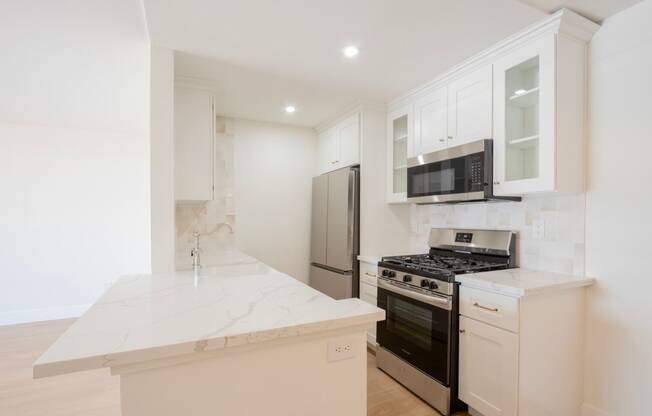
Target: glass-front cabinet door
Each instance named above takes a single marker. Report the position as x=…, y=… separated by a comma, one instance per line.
x=399, y=134
x=524, y=119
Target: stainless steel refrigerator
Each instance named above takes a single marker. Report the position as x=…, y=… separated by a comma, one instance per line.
x=335, y=233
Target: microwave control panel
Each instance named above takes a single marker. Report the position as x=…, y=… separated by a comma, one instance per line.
x=477, y=177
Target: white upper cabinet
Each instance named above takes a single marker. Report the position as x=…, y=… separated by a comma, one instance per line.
x=339, y=146
x=470, y=103
x=430, y=118
x=399, y=133
x=524, y=145
x=328, y=150
x=194, y=134
x=528, y=93
x=539, y=117
x=454, y=114
x=348, y=133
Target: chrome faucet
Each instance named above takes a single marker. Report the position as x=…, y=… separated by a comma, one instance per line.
x=194, y=253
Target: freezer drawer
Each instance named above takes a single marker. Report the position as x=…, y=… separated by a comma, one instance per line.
x=333, y=284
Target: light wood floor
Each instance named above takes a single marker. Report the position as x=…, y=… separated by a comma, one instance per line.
x=96, y=393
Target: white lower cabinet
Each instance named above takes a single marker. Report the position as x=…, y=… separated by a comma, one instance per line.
x=369, y=293
x=488, y=371
x=521, y=355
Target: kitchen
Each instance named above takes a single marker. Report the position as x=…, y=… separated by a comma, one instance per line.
x=448, y=234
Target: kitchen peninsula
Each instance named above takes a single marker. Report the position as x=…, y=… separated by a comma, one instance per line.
x=237, y=339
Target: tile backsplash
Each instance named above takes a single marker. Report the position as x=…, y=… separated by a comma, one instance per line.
x=214, y=220
x=560, y=249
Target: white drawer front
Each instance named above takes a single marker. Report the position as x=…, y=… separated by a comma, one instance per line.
x=491, y=308
x=368, y=273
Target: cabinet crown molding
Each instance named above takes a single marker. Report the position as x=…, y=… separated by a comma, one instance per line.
x=564, y=21
x=356, y=107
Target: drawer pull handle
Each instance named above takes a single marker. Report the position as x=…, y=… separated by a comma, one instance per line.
x=370, y=274
x=486, y=308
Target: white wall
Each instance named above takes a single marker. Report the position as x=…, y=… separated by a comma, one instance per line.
x=384, y=228
x=618, y=218
x=74, y=153
x=162, y=159
x=274, y=165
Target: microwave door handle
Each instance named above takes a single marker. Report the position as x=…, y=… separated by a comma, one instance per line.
x=436, y=301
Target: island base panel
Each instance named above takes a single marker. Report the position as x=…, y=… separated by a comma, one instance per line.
x=295, y=379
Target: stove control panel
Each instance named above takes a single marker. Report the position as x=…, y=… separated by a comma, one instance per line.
x=416, y=282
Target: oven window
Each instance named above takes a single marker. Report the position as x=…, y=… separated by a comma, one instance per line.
x=410, y=322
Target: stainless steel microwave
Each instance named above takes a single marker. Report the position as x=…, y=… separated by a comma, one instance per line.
x=457, y=174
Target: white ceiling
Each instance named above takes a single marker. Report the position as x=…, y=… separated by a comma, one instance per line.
x=596, y=10
x=261, y=55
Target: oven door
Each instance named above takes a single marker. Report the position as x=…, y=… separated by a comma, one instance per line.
x=417, y=328
x=460, y=173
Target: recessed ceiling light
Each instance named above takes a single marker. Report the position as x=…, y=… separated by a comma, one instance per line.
x=350, y=51
x=290, y=109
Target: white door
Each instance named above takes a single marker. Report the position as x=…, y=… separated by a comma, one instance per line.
x=470, y=102
x=488, y=368
x=399, y=133
x=348, y=132
x=429, y=123
x=328, y=151
x=194, y=124
x=524, y=119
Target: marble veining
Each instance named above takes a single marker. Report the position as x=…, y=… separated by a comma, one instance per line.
x=148, y=317
x=522, y=282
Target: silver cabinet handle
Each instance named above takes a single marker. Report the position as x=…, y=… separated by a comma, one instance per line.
x=450, y=137
x=496, y=183
x=442, y=140
x=334, y=162
x=486, y=308
x=370, y=274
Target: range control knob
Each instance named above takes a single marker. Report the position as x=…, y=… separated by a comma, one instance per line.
x=434, y=285
x=385, y=273
x=391, y=274
x=407, y=278
x=424, y=283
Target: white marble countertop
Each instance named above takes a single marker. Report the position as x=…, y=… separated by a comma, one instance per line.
x=522, y=282
x=369, y=259
x=146, y=317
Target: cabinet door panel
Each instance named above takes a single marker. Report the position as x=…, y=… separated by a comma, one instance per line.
x=349, y=142
x=430, y=123
x=524, y=119
x=328, y=150
x=399, y=135
x=488, y=368
x=470, y=104
x=193, y=145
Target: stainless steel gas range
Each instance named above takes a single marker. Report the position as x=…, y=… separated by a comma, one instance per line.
x=418, y=341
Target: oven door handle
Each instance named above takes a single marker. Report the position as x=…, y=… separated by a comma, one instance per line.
x=436, y=301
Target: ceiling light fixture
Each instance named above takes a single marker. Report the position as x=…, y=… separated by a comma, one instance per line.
x=350, y=51
x=290, y=109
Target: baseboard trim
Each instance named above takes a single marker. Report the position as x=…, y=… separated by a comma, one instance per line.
x=45, y=314
x=590, y=410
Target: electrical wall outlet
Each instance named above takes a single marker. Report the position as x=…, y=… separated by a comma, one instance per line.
x=538, y=229
x=341, y=349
